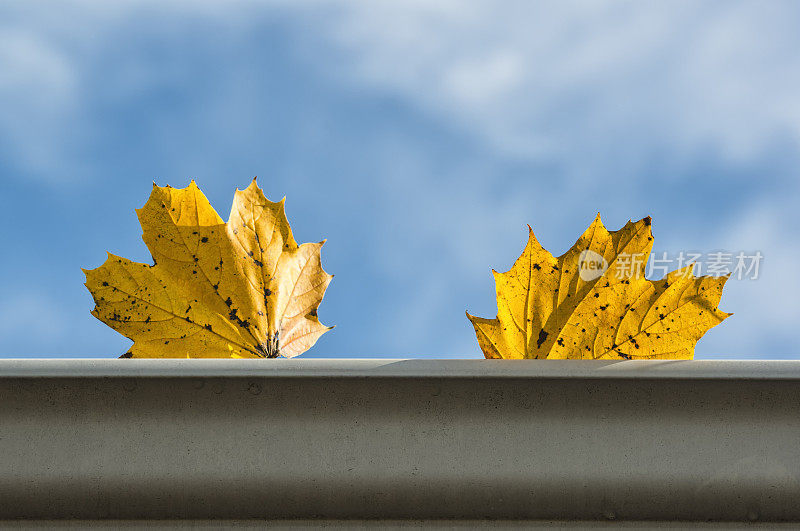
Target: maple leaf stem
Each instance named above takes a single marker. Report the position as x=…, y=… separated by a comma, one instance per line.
x=271, y=349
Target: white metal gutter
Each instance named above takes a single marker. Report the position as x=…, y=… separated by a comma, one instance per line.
x=395, y=439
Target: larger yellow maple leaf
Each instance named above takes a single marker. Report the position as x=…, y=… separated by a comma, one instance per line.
x=238, y=289
x=593, y=302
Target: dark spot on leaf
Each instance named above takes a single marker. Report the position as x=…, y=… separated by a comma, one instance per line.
x=537, y=267
x=560, y=342
x=542, y=338
x=128, y=354
x=207, y=327
x=204, y=239
x=105, y=283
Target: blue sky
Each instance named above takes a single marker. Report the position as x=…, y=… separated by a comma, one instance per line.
x=418, y=137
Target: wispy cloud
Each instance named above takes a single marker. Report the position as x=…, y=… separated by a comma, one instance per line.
x=38, y=89
x=547, y=77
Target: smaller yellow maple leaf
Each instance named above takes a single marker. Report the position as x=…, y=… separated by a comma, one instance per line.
x=240, y=289
x=593, y=302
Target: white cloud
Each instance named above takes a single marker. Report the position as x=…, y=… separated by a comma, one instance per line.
x=535, y=80
x=38, y=90
x=31, y=64
x=544, y=78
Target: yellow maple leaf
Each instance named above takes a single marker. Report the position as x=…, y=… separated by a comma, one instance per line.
x=239, y=289
x=593, y=302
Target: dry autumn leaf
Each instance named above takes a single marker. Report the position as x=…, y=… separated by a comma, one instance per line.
x=593, y=302
x=238, y=289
